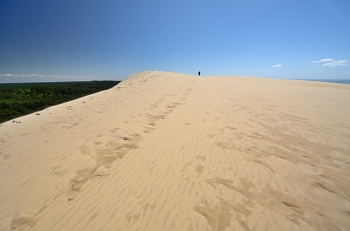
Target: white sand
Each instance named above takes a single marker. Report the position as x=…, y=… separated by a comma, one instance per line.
x=166, y=151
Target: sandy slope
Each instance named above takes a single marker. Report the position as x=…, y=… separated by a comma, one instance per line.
x=166, y=151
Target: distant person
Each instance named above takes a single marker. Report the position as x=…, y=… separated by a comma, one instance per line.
x=199, y=73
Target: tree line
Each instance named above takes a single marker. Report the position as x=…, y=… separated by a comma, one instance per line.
x=18, y=99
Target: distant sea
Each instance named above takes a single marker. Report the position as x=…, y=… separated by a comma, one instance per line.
x=342, y=81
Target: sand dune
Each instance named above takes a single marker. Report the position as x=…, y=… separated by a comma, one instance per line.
x=167, y=151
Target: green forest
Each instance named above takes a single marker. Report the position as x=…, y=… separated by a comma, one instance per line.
x=18, y=99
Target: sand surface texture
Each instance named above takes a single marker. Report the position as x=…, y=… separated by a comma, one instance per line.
x=167, y=151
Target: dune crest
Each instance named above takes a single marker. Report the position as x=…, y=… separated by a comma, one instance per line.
x=169, y=151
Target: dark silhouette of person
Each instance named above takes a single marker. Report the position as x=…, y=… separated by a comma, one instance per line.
x=199, y=73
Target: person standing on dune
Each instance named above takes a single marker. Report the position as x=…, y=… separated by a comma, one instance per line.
x=199, y=73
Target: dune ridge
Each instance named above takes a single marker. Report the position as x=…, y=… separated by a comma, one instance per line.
x=169, y=151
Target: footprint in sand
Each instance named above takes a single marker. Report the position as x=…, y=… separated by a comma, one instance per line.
x=20, y=221
x=103, y=155
x=199, y=169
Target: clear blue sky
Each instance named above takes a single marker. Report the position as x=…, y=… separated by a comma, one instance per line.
x=111, y=39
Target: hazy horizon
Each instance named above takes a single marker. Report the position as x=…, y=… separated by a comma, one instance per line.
x=42, y=79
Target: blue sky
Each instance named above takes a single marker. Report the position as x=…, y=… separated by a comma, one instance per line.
x=88, y=39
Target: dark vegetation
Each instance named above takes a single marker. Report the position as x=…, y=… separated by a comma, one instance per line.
x=18, y=99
